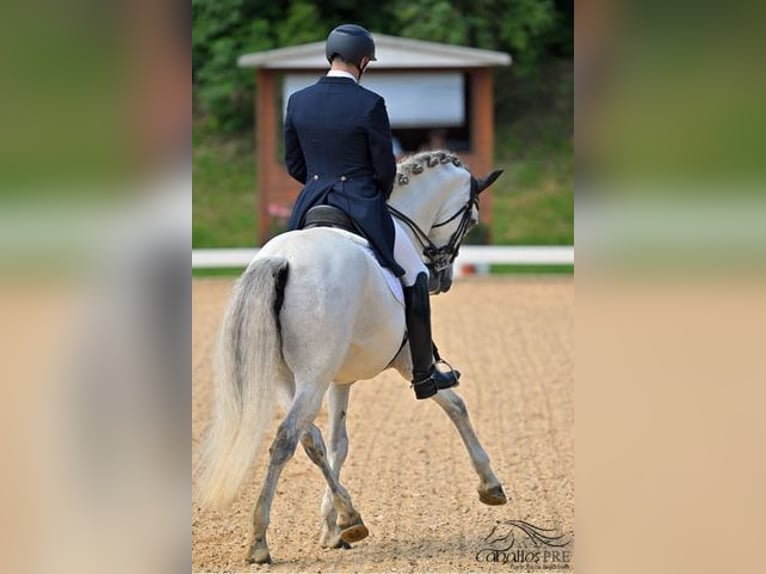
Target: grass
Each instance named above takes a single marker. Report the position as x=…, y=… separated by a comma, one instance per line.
x=532, y=269
x=219, y=272
x=224, y=201
x=533, y=203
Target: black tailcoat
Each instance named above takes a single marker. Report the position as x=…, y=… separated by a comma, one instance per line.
x=338, y=144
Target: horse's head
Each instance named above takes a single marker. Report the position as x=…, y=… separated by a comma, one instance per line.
x=437, y=200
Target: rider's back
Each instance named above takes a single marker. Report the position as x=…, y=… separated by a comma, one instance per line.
x=337, y=124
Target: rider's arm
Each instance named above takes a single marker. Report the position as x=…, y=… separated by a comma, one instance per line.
x=381, y=152
x=294, y=160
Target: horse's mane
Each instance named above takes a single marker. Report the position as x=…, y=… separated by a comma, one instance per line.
x=417, y=163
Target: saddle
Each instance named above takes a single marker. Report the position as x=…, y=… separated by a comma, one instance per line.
x=329, y=216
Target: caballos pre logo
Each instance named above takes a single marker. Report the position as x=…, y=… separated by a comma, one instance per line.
x=519, y=544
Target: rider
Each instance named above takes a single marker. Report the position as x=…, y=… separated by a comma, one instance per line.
x=338, y=144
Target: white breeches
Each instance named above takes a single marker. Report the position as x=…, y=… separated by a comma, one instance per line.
x=407, y=256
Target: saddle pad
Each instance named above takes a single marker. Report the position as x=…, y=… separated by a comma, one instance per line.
x=391, y=280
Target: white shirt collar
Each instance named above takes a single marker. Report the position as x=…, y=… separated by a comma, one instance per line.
x=341, y=74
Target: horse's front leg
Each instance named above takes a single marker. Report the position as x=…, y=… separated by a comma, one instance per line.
x=490, y=490
x=337, y=407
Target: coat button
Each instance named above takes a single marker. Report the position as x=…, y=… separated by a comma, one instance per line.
x=316, y=176
x=343, y=178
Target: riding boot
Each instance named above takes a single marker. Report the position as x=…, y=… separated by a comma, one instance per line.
x=426, y=378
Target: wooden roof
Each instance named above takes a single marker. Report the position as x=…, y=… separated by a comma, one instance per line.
x=392, y=52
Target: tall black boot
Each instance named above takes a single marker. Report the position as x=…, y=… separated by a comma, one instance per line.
x=426, y=378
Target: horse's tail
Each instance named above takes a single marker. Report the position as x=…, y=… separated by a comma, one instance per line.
x=248, y=366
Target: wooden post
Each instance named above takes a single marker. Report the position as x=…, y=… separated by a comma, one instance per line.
x=483, y=136
x=265, y=139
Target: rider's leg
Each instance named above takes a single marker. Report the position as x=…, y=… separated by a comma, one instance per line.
x=426, y=378
x=406, y=256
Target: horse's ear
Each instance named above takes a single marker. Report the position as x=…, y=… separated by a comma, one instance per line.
x=484, y=182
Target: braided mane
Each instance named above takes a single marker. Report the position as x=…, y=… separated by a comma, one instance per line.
x=417, y=163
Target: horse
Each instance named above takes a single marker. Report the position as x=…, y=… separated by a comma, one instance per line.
x=312, y=314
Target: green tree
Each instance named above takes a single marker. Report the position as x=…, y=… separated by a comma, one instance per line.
x=302, y=24
x=222, y=30
x=515, y=26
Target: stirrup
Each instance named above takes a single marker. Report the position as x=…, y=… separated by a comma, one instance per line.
x=429, y=385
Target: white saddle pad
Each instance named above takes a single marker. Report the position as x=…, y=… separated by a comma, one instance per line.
x=391, y=280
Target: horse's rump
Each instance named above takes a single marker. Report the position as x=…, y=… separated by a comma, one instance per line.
x=341, y=309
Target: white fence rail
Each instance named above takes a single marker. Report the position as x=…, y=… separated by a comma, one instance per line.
x=469, y=255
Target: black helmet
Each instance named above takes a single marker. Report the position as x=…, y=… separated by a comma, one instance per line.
x=350, y=42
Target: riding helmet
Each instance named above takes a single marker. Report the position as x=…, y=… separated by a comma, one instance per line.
x=350, y=42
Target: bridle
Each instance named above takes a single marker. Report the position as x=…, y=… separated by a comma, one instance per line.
x=442, y=257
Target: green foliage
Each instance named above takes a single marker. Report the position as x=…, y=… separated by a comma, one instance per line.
x=533, y=202
x=515, y=26
x=222, y=30
x=433, y=20
x=220, y=33
x=301, y=25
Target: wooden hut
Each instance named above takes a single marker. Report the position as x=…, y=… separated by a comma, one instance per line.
x=437, y=95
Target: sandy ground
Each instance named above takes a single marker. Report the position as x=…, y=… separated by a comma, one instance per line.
x=407, y=471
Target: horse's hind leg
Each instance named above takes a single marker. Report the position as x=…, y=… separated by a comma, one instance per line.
x=302, y=413
x=490, y=490
x=337, y=407
x=348, y=524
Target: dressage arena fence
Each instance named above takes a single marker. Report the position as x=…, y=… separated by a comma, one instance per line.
x=471, y=257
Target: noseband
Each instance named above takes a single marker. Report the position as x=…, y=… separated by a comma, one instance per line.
x=442, y=257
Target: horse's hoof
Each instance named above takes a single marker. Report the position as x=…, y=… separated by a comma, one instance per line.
x=494, y=496
x=337, y=543
x=341, y=545
x=259, y=554
x=354, y=533
x=257, y=558
x=334, y=542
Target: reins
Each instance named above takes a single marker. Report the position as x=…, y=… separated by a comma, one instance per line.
x=442, y=257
